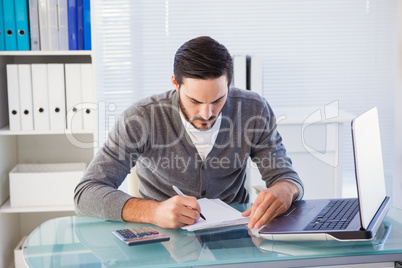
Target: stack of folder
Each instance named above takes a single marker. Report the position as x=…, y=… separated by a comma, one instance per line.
x=45, y=25
x=51, y=97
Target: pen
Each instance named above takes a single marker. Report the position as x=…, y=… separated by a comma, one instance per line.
x=177, y=190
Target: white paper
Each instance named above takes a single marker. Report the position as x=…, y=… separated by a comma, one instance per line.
x=217, y=214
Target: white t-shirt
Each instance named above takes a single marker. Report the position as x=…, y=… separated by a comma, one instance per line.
x=203, y=140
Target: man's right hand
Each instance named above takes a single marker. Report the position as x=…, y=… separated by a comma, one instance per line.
x=174, y=212
x=177, y=212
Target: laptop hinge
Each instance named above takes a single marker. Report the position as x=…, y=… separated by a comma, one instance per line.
x=380, y=215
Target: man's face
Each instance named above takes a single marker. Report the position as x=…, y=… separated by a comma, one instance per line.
x=201, y=101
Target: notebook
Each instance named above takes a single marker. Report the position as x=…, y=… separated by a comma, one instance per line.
x=217, y=214
x=305, y=219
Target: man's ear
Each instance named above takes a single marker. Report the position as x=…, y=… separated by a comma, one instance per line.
x=174, y=82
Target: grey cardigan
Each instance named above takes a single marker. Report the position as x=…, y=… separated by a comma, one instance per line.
x=151, y=136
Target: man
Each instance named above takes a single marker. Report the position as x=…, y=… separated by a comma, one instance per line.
x=197, y=137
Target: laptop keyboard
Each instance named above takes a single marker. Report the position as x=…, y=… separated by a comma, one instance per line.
x=335, y=216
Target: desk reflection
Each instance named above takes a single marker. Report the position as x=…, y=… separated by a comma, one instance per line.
x=89, y=242
x=182, y=247
x=308, y=248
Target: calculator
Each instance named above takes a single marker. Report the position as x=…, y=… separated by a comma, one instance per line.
x=140, y=236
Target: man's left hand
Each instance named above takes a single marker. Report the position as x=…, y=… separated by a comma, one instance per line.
x=271, y=203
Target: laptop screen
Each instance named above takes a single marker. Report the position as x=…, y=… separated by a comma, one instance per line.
x=368, y=164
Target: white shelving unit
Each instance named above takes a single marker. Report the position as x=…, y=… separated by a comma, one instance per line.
x=47, y=53
x=6, y=208
x=35, y=147
x=4, y=131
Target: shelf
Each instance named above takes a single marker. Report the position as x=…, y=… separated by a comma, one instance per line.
x=6, y=208
x=4, y=131
x=47, y=53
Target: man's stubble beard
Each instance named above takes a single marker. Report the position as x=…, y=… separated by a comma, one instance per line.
x=191, y=121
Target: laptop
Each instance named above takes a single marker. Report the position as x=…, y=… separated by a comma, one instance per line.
x=353, y=219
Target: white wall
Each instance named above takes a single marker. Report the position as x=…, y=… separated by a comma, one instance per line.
x=397, y=196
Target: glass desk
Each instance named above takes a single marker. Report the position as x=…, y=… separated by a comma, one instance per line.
x=89, y=242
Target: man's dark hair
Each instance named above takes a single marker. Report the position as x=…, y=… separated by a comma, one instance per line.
x=202, y=58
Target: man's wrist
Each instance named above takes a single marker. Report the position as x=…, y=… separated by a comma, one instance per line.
x=292, y=188
x=139, y=210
